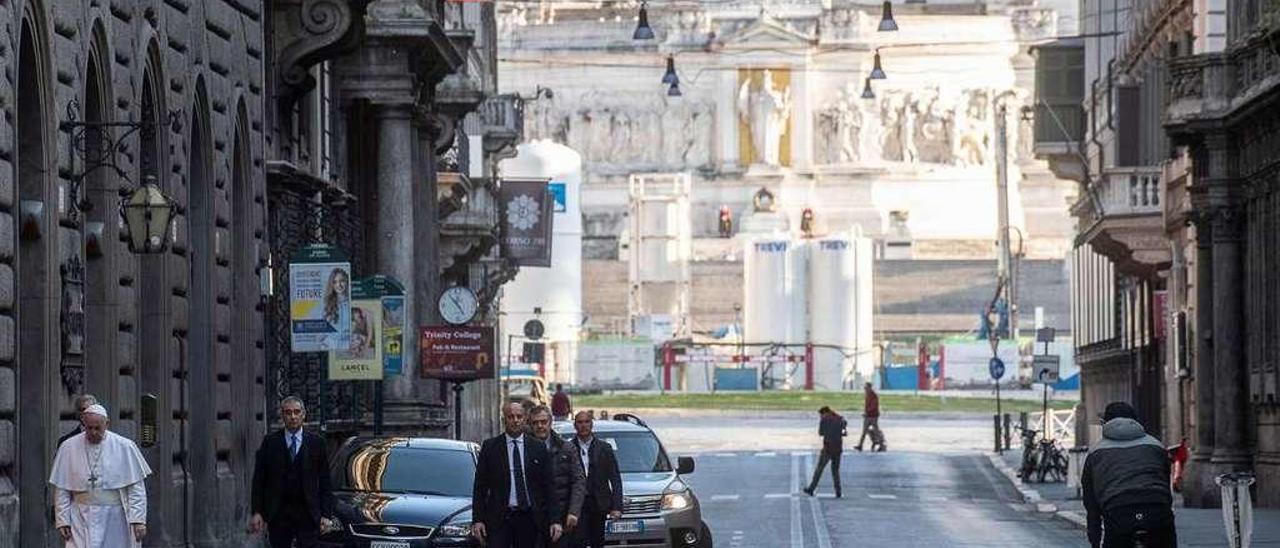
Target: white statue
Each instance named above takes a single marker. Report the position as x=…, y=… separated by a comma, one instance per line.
x=908, y=128
x=766, y=111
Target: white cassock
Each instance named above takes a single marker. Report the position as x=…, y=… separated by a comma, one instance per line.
x=100, y=491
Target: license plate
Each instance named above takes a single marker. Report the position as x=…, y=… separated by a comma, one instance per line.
x=624, y=527
x=387, y=544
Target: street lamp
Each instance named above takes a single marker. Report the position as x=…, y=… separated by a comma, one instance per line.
x=670, y=76
x=866, y=89
x=887, y=24
x=643, y=30
x=877, y=73
x=148, y=215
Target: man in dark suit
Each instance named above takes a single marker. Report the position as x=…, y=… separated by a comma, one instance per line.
x=510, y=501
x=291, y=495
x=83, y=401
x=604, y=482
x=568, y=480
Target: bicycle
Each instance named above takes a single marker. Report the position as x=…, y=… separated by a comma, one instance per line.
x=1052, y=462
x=1030, y=454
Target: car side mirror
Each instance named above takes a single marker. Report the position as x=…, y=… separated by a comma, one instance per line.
x=684, y=465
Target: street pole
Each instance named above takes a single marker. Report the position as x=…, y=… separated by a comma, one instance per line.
x=1002, y=196
x=457, y=410
x=999, y=447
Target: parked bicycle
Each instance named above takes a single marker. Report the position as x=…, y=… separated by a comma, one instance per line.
x=1042, y=459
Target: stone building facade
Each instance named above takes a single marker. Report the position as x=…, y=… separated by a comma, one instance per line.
x=1174, y=292
x=78, y=311
x=372, y=125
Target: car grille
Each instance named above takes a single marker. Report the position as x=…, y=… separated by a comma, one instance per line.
x=390, y=531
x=642, y=505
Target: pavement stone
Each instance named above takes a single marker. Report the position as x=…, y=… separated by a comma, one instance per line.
x=1196, y=526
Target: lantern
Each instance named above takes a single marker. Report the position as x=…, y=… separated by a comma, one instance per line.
x=148, y=215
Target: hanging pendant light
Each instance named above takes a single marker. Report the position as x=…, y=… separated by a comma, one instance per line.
x=886, y=18
x=866, y=90
x=674, y=90
x=877, y=73
x=643, y=30
x=670, y=76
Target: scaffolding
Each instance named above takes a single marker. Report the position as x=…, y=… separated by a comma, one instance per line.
x=660, y=244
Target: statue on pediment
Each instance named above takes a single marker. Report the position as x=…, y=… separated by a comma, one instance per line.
x=765, y=110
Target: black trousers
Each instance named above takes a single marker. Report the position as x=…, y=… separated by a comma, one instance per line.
x=1152, y=525
x=517, y=530
x=590, y=531
x=824, y=457
x=293, y=522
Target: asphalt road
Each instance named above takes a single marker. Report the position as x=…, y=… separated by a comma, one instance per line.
x=942, y=492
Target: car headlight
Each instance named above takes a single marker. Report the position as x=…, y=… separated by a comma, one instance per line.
x=676, y=501
x=461, y=529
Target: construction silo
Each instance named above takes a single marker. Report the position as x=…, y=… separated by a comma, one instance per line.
x=773, y=297
x=840, y=309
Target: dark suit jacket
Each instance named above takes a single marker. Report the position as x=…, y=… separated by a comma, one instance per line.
x=492, y=488
x=70, y=435
x=270, y=466
x=604, y=482
x=569, y=484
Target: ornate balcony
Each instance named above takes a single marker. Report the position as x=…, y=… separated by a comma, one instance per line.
x=503, y=119
x=1209, y=87
x=1124, y=219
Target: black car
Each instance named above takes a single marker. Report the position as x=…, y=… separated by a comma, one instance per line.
x=403, y=493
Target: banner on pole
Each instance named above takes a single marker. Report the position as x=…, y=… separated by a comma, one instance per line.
x=526, y=217
x=319, y=300
x=393, y=334
x=362, y=361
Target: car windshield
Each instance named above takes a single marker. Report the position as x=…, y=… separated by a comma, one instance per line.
x=379, y=467
x=636, y=451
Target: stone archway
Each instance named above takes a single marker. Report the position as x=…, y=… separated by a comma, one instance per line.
x=36, y=348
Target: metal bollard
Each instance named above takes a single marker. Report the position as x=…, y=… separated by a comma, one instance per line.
x=1237, y=508
x=996, y=420
x=1008, y=432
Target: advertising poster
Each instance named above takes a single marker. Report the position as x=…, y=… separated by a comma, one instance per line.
x=457, y=353
x=319, y=301
x=526, y=217
x=362, y=361
x=393, y=334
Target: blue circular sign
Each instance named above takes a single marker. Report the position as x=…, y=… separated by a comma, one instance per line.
x=996, y=367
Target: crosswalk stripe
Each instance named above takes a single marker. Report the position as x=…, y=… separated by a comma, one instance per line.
x=725, y=497
x=879, y=496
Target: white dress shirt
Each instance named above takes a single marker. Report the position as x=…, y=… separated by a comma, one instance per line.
x=511, y=455
x=584, y=451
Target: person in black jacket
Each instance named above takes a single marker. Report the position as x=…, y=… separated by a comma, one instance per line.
x=831, y=426
x=1125, y=483
x=83, y=401
x=291, y=495
x=510, y=501
x=604, y=482
x=569, y=482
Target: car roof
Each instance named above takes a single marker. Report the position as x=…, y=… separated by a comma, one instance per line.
x=419, y=443
x=602, y=426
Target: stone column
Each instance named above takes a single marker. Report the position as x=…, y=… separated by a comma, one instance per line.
x=1230, y=397
x=1200, y=489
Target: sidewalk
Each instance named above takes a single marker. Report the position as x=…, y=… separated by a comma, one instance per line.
x=1196, y=526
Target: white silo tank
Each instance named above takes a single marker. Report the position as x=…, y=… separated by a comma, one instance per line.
x=556, y=290
x=833, y=309
x=773, y=295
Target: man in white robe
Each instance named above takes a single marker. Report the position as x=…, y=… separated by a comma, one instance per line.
x=101, y=501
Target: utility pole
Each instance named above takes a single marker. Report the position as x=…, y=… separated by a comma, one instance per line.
x=1004, y=268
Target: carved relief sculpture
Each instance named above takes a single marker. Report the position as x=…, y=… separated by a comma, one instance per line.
x=766, y=111
x=907, y=131
x=840, y=129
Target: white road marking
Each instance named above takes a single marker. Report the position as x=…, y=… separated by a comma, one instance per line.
x=726, y=455
x=778, y=495
x=800, y=453
x=725, y=497
x=880, y=496
x=819, y=524
x=797, y=535
x=934, y=499
x=767, y=454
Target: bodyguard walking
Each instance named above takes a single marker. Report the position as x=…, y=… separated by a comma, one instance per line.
x=831, y=426
x=568, y=481
x=83, y=401
x=291, y=494
x=604, y=482
x=511, y=495
x=871, y=419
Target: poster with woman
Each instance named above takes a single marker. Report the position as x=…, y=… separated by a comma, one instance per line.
x=319, y=301
x=363, y=359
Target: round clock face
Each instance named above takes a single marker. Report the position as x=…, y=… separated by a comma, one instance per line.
x=458, y=305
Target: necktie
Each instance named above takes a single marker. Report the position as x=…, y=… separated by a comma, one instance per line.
x=293, y=446
x=517, y=464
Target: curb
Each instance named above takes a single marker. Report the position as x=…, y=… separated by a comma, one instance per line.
x=1033, y=497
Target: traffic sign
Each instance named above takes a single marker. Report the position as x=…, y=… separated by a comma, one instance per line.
x=1047, y=368
x=534, y=329
x=996, y=367
x=1046, y=334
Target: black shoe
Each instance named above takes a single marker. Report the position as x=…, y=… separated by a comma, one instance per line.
x=858, y=447
x=837, y=494
x=808, y=491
